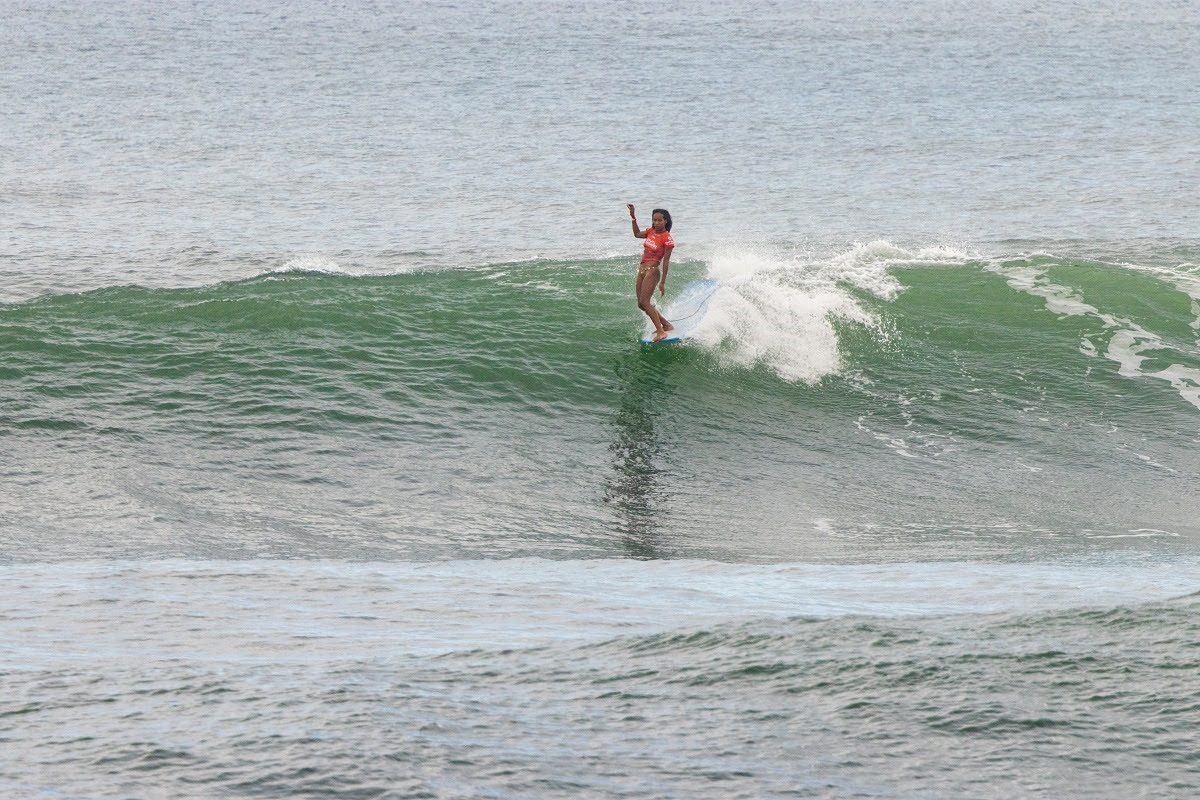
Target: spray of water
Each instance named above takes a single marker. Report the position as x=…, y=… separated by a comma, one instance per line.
x=780, y=309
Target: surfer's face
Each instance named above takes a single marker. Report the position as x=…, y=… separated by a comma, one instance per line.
x=660, y=223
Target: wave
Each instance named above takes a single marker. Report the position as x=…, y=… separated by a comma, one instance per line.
x=885, y=401
x=1121, y=339
x=877, y=317
x=784, y=311
x=428, y=609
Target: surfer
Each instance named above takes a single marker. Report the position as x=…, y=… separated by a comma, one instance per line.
x=655, y=253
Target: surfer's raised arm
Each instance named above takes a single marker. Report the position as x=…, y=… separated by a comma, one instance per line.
x=636, y=232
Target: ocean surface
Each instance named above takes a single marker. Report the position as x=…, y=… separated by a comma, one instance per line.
x=331, y=464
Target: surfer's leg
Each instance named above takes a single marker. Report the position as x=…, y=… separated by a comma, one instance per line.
x=646, y=281
x=663, y=321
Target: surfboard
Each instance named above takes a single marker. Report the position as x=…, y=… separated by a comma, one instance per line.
x=686, y=311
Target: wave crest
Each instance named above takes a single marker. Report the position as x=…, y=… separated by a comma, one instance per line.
x=780, y=309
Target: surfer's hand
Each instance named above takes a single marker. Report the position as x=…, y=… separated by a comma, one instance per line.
x=662, y=289
x=630, y=207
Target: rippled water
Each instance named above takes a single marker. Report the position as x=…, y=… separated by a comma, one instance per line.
x=603, y=677
x=332, y=466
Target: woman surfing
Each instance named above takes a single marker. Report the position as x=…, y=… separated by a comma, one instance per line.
x=656, y=255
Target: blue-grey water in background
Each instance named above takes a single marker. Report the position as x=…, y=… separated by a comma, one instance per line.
x=331, y=466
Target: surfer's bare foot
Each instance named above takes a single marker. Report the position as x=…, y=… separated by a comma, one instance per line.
x=659, y=336
x=668, y=326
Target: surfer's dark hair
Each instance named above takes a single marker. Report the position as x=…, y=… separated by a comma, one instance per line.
x=666, y=215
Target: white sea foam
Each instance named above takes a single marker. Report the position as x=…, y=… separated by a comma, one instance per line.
x=779, y=309
x=387, y=263
x=311, y=263
x=1186, y=381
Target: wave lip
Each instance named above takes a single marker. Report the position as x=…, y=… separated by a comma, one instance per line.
x=783, y=310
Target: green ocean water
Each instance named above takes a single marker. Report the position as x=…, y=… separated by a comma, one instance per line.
x=331, y=465
x=889, y=524
x=1007, y=404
